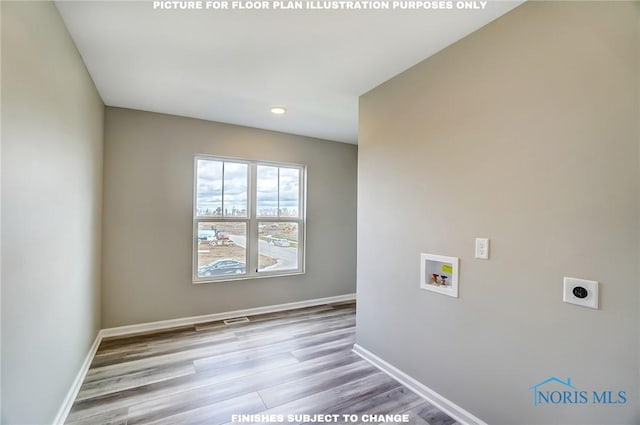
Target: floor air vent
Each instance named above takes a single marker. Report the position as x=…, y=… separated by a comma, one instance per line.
x=236, y=320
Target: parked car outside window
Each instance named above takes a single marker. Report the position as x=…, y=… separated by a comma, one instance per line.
x=222, y=267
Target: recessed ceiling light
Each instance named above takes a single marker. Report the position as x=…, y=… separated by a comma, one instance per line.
x=278, y=110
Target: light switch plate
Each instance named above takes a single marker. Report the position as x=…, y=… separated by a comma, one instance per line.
x=580, y=292
x=482, y=248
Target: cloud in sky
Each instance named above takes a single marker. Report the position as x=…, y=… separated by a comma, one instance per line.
x=272, y=189
x=210, y=184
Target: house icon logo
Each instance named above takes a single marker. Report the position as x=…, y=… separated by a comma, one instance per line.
x=555, y=391
x=540, y=396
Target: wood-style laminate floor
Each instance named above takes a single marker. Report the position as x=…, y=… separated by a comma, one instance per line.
x=288, y=363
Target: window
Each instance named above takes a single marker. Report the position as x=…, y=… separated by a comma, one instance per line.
x=249, y=219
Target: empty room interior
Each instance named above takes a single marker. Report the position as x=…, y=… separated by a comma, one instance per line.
x=344, y=212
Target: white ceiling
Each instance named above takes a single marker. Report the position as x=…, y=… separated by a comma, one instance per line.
x=230, y=66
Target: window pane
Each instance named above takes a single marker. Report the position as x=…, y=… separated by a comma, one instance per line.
x=221, y=249
x=267, y=191
x=289, y=192
x=209, y=188
x=278, y=246
x=235, y=189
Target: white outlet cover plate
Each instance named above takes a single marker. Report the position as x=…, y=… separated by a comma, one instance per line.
x=591, y=300
x=482, y=248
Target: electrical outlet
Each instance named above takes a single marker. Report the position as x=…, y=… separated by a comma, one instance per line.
x=482, y=248
x=580, y=292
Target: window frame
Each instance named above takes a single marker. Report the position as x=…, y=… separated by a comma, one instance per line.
x=252, y=220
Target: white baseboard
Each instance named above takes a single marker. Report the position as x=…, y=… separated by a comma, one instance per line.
x=447, y=406
x=186, y=321
x=64, y=410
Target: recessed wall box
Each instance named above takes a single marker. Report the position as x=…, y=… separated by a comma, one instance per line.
x=439, y=273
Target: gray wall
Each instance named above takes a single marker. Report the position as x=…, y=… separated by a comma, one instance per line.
x=524, y=132
x=52, y=127
x=148, y=196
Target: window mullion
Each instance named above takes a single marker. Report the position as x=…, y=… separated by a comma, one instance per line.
x=253, y=259
x=222, y=214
